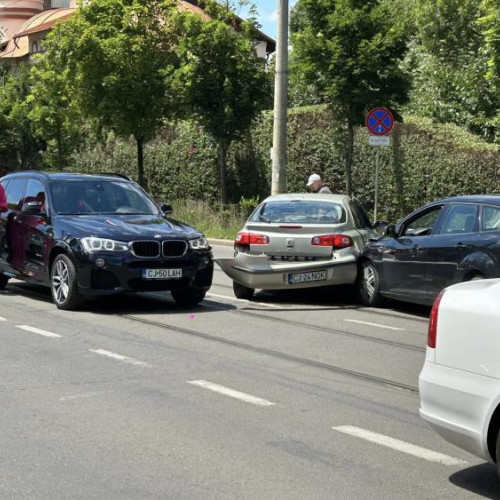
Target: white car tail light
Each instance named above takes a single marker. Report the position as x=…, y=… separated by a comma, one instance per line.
x=332, y=240
x=246, y=238
x=433, y=320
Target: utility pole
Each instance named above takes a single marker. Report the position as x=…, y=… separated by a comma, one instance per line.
x=280, y=102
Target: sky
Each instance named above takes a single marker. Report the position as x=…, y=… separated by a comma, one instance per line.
x=267, y=15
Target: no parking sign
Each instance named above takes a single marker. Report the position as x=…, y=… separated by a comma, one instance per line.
x=379, y=121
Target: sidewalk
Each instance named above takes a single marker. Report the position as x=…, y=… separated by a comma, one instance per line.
x=224, y=243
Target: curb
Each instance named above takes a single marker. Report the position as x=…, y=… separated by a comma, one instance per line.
x=224, y=243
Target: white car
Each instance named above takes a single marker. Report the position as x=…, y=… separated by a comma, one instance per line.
x=460, y=380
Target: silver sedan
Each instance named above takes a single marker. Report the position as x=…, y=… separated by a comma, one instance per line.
x=298, y=241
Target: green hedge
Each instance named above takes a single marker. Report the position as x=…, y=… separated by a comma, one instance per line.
x=425, y=162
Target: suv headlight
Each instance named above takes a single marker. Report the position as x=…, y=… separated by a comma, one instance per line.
x=199, y=244
x=92, y=245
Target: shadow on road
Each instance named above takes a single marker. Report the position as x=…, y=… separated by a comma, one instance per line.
x=160, y=302
x=34, y=292
x=480, y=479
x=338, y=297
x=329, y=298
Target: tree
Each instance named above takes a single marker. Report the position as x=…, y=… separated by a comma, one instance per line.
x=448, y=27
x=19, y=145
x=350, y=52
x=448, y=63
x=490, y=22
x=225, y=83
x=56, y=117
x=121, y=56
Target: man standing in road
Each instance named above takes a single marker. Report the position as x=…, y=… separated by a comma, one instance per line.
x=3, y=200
x=315, y=184
x=3, y=208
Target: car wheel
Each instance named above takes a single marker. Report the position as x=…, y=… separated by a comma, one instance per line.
x=3, y=281
x=242, y=291
x=64, y=286
x=190, y=296
x=498, y=452
x=478, y=277
x=369, y=285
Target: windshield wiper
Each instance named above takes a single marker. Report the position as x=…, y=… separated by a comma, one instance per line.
x=263, y=218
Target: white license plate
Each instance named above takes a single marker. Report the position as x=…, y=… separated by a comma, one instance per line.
x=161, y=274
x=295, y=278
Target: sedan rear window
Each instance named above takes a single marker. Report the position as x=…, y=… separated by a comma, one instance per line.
x=300, y=212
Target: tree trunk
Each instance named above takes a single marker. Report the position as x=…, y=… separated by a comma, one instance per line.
x=60, y=166
x=140, y=164
x=349, y=156
x=222, y=155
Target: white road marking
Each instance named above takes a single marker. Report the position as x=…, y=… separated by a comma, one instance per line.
x=119, y=357
x=2, y=319
x=394, y=314
x=402, y=446
x=44, y=333
x=227, y=297
x=376, y=325
x=82, y=396
x=247, y=398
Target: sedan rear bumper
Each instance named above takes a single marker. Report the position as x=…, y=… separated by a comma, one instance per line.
x=276, y=276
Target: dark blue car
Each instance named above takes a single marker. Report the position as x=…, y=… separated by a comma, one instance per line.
x=91, y=235
x=448, y=241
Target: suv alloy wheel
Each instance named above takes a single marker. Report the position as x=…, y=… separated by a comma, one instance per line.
x=64, y=285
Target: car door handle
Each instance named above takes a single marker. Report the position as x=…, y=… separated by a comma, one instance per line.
x=463, y=246
x=416, y=247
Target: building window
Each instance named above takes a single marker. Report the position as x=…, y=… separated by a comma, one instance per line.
x=34, y=47
x=57, y=4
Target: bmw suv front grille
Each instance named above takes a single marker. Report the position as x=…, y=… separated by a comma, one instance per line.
x=146, y=248
x=174, y=248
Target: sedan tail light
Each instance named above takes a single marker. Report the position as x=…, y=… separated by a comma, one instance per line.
x=333, y=240
x=433, y=320
x=246, y=238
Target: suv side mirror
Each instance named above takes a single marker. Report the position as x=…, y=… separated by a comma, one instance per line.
x=31, y=208
x=380, y=227
x=166, y=209
x=390, y=231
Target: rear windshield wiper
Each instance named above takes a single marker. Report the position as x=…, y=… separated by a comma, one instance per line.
x=263, y=218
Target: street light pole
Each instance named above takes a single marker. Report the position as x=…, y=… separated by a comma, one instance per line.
x=280, y=102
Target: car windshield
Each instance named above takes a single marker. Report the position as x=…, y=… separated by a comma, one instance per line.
x=104, y=197
x=300, y=212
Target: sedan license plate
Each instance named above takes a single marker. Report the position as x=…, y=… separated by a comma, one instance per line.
x=161, y=274
x=296, y=278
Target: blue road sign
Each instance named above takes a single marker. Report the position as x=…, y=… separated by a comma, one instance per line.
x=379, y=121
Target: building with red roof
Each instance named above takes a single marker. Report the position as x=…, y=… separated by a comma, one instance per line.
x=25, y=23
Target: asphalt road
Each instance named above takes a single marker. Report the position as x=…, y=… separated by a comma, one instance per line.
x=291, y=396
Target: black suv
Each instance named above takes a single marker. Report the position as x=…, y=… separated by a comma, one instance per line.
x=91, y=235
